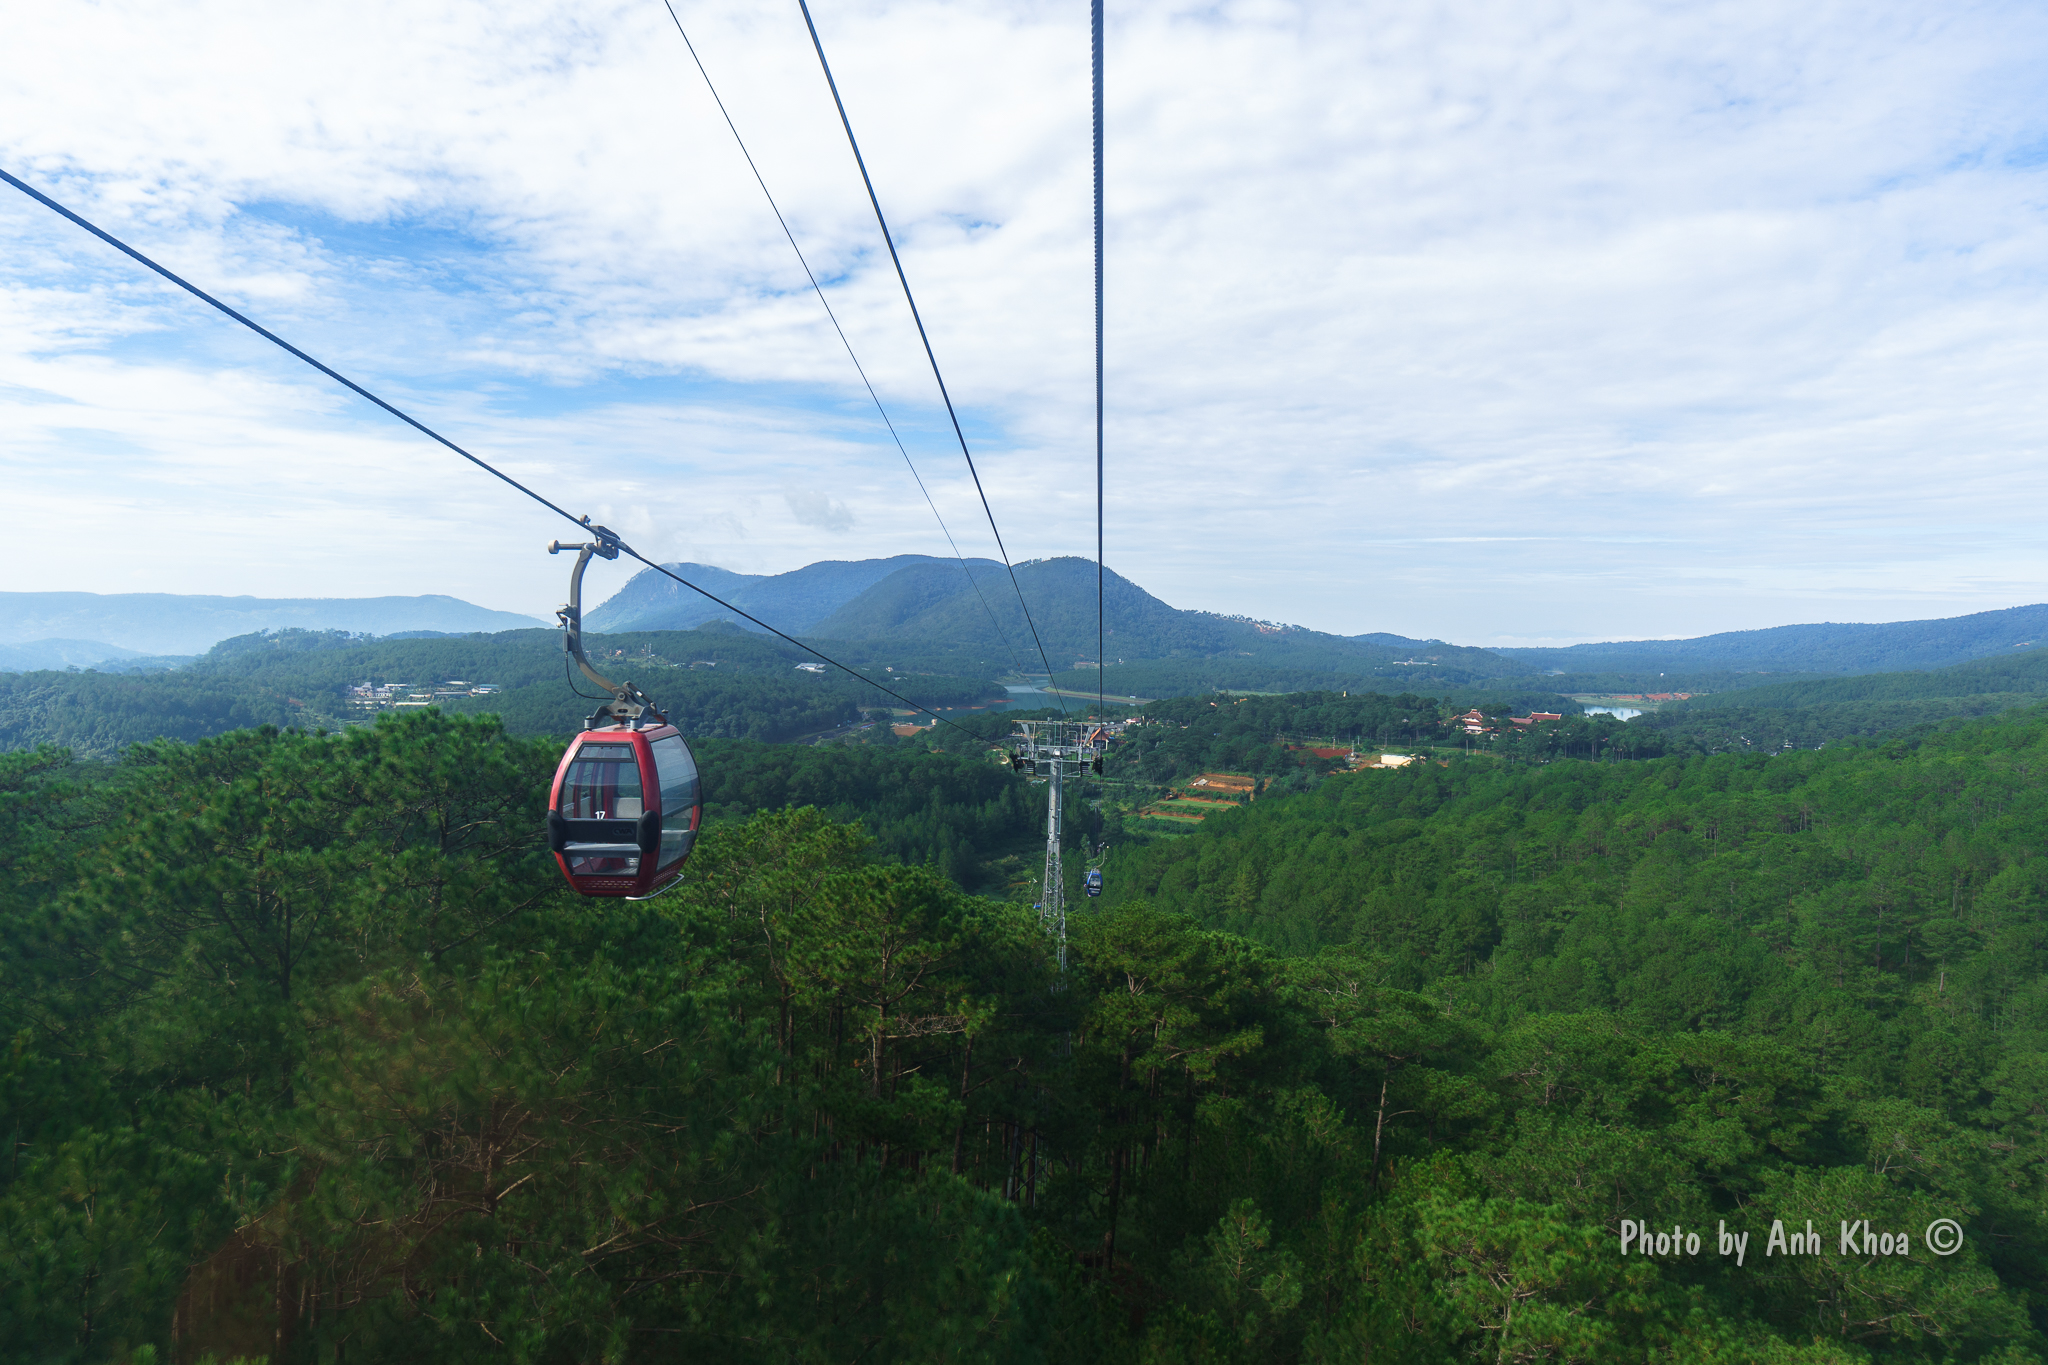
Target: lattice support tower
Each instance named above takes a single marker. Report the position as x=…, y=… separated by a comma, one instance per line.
x=1057, y=750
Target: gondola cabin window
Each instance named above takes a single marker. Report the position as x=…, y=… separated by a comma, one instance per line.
x=603, y=783
x=677, y=778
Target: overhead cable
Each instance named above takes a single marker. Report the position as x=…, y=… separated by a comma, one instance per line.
x=581, y=523
x=860, y=369
x=1095, y=52
x=911, y=299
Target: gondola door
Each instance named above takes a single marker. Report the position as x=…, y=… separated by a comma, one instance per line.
x=682, y=805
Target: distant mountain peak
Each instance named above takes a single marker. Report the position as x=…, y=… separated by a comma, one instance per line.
x=162, y=623
x=1817, y=647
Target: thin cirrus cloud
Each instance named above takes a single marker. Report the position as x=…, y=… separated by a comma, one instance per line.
x=1480, y=321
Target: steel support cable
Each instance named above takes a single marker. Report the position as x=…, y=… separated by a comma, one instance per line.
x=889, y=240
x=859, y=369
x=569, y=677
x=413, y=422
x=1095, y=52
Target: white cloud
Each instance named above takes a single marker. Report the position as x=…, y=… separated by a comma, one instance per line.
x=1476, y=320
x=812, y=508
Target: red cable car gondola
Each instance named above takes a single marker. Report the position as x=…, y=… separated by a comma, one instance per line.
x=624, y=809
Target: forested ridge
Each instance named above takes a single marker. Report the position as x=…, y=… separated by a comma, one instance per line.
x=312, y=1057
x=719, y=682
x=1809, y=713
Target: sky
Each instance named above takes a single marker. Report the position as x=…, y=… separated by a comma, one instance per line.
x=1495, y=321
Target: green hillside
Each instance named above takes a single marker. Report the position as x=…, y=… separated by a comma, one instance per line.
x=925, y=604
x=32, y=655
x=1714, y=682
x=654, y=601
x=2015, y=672
x=1175, y=651
x=1809, y=713
x=795, y=601
x=719, y=683
x=722, y=682
x=1296, y=666
x=925, y=611
x=885, y=609
x=1770, y=729
x=919, y=605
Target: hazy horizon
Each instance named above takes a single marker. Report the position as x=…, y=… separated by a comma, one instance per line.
x=543, y=617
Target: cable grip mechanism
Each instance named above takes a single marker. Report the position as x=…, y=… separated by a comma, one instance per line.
x=629, y=708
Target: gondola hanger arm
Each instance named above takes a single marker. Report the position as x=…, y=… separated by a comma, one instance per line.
x=628, y=702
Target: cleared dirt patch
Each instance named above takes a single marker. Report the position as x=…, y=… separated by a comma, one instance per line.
x=1223, y=784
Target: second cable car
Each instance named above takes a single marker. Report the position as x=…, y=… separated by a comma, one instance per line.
x=1092, y=883
x=626, y=802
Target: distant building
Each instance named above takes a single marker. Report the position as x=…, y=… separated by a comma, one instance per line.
x=376, y=696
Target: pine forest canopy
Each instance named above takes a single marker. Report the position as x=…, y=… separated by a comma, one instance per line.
x=313, y=1054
